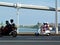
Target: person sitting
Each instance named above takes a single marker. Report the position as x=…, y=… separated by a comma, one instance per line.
x=47, y=26
x=1, y=30
x=43, y=27
x=7, y=28
x=13, y=24
x=11, y=21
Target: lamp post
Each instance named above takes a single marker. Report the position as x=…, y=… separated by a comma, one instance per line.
x=56, y=17
x=17, y=18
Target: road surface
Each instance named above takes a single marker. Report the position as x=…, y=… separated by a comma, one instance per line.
x=30, y=40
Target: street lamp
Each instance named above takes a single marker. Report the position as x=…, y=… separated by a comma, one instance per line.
x=56, y=17
x=17, y=18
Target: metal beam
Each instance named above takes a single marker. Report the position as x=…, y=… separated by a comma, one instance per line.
x=25, y=6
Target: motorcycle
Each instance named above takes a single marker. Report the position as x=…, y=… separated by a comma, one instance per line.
x=47, y=31
x=4, y=31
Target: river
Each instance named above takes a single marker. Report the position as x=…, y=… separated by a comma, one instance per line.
x=27, y=30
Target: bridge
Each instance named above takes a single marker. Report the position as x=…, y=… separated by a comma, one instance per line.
x=34, y=7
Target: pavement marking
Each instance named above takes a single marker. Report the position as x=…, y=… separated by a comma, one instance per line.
x=26, y=41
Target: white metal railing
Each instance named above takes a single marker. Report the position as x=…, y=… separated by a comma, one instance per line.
x=25, y=6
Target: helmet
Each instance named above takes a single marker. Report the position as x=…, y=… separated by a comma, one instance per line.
x=44, y=23
x=7, y=22
x=11, y=20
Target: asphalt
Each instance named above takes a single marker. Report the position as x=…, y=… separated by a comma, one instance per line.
x=30, y=40
x=30, y=43
x=47, y=38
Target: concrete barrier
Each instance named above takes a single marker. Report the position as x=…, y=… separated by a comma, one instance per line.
x=33, y=34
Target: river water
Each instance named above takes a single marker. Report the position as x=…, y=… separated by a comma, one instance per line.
x=27, y=30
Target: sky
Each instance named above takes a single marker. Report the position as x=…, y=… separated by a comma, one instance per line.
x=29, y=16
